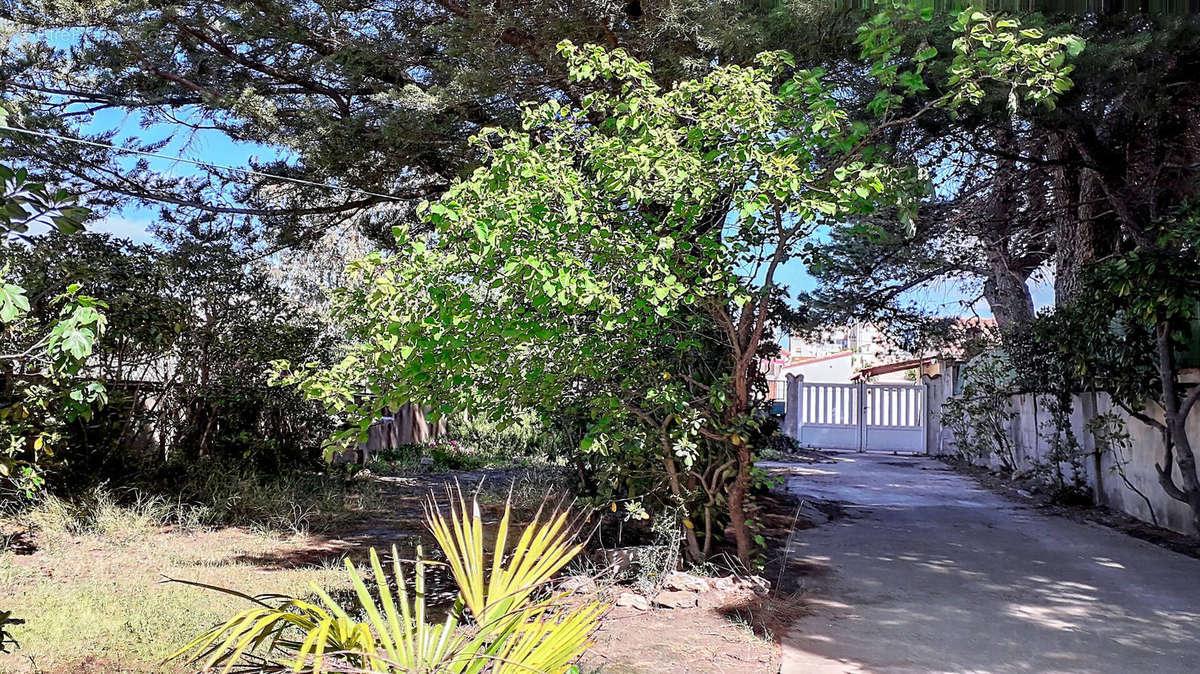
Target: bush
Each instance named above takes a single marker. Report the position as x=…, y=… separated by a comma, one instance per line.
x=512, y=626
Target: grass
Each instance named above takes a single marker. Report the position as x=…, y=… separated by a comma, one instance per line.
x=91, y=590
x=95, y=597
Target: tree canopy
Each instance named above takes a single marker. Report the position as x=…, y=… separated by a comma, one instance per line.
x=341, y=92
x=623, y=252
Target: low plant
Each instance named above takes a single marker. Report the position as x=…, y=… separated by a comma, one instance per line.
x=980, y=413
x=1113, y=439
x=1061, y=465
x=104, y=513
x=287, y=502
x=503, y=621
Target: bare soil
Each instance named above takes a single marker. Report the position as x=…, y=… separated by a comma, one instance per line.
x=668, y=641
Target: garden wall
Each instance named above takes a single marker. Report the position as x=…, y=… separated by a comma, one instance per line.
x=1115, y=474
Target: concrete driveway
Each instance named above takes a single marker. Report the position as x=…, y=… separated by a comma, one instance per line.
x=931, y=573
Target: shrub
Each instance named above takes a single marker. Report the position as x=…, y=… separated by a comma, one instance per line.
x=501, y=622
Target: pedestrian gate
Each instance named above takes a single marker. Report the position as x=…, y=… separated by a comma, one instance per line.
x=889, y=417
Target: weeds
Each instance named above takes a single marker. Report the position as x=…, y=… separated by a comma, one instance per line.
x=769, y=617
x=290, y=503
x=101, y=513
x=286, y=504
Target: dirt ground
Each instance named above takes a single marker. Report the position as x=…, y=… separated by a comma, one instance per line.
x=98, y=606
x=668, y=641
x=929, y=572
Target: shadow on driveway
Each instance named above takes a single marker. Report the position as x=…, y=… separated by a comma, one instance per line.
x=930, y=573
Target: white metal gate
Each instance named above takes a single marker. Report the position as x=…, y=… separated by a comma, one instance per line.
x=859, y=416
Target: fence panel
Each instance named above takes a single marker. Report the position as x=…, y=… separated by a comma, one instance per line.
x=889, y=417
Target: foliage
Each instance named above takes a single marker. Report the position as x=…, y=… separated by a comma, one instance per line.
x=1141, y=309
x=44, y=386
x=411, y=84
x=26, y=205
x=511, y=628
x=979, y=414
x=618, y=256
x=1016, y=195
x=434, y=456
x=191, y=329
x=43, y=390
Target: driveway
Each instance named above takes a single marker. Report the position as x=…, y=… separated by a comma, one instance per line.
x=928, y=572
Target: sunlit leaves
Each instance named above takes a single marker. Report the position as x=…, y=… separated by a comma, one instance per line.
x=13, y=302
x=49, y=391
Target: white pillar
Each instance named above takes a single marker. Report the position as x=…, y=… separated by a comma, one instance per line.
x=862, y=415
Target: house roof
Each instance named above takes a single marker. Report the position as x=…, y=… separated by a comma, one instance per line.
x=818, y=359
x=876, y=370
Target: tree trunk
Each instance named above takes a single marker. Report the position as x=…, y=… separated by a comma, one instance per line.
x=738, y=491
x=1006, y=292
x=1175, y=435
x=1004, y=287
x=689, y=529
x=737, y=505
x=1085, y=230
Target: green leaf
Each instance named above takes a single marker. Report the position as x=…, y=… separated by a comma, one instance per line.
x=13, y=302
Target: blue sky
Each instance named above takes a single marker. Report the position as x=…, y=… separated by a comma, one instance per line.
x=200, y=145
x=945, y=298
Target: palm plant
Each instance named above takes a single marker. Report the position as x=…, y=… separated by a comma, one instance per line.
x=504, y=621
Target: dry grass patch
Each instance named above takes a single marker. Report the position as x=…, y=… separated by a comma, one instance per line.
x=95, y=603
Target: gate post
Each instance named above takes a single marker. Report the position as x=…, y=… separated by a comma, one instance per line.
x=790, y=411
x=862, y=415
x=926, y=415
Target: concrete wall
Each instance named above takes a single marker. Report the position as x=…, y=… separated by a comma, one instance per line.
x=1030, y=429
x=838, y=370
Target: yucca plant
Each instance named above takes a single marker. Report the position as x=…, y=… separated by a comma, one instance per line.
x=504, y=622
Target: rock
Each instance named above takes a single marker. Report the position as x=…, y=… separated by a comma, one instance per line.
x=725, y=584
x=759, y=585
x=678, y=580
x=632, y=600
x=732, y=585
x=1024, y=493
x=716, y=599
x=675, y=599
x=617, y=559
x=578, y=585
x=426, y=460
